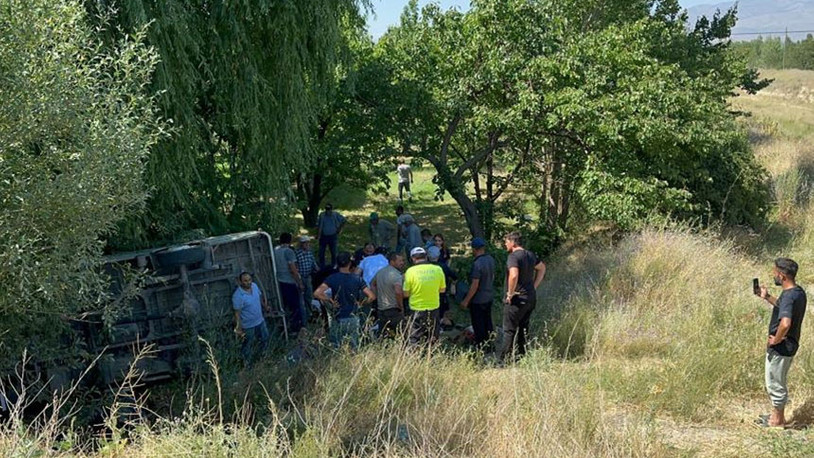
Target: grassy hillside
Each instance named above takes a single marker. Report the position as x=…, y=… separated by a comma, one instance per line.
x=647, y=346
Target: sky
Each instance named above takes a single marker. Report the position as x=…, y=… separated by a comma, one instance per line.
x=387, y=12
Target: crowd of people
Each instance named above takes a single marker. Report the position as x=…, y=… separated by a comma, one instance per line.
x=402, y=277
x=401, y=281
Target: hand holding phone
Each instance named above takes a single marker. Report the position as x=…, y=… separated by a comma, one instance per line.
x=756, y=286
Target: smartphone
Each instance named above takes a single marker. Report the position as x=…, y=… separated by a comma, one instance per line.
x=756, y=286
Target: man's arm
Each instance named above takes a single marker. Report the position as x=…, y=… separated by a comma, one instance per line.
x=473, y=289
x=511, y=282
x=295, y=271
x=764, y=294
x=399, y=297
x=371, y=296
x=443, y=287
x=342, y=221
x=238, y=328
x=539, y=274
x=412, y=180
x=782, y=330
x=320, y=294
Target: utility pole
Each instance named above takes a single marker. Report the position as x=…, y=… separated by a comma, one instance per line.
x=785, y=39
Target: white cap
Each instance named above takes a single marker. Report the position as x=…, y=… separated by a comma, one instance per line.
x=305, y=238
x=417, y=251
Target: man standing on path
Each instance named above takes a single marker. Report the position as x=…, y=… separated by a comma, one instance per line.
x=348, y=292
x=423, y=285
x=481, y=293
x=248, y=303
x=405, y=175
x=306, y=266
x=329, y=226
x=289, y=281
x=381, y=231
x=788, y=312
x=524, y=273
x=387, y=284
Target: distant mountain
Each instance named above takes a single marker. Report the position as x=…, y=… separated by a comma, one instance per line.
x=762, y=16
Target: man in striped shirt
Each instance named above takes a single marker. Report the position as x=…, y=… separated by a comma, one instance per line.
x=306, y=265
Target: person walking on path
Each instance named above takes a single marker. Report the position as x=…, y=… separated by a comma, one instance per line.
x=788, y=312
x=329, y=226
x=348, y=292
x=381, y=231
x=289, y=281
x=481, y=293
x=387, y=284
x=306, y=266
x=423, y=284
x=405, y=176
x=248, y=304
x=524, y=273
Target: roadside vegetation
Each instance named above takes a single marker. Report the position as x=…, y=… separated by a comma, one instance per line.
x=647, y=340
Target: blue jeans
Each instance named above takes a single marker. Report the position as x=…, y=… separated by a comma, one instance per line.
x=306, y=296
x=345, y=330
x=330, y=241
x=257, y=336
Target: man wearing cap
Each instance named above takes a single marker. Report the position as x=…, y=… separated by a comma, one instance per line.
x=381, y=231
x=412, y=235
x=481, y=292
x=329, y=226
x=307, y=266
x=423, y=284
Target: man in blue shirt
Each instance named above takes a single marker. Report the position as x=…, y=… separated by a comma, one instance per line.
x=329, y=226
x=348, y=292
x=248, y=303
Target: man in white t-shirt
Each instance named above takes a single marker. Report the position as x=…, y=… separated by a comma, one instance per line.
x=405, y=174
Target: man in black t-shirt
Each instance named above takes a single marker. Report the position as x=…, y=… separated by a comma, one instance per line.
x=788, y=312
x=524, y=273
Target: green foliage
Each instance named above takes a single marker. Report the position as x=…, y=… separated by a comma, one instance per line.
x=778, y=53
x=75, y=131
x=243, y=83
x=568, y=101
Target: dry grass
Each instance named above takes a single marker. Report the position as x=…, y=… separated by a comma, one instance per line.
x=648, y=346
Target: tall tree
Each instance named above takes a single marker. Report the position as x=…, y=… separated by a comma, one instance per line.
x=612, y=107
x=75, y=132
x=242, y=83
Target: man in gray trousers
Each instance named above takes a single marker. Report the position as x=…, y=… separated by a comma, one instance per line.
x=788, y=311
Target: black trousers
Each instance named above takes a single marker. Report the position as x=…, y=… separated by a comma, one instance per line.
x=516, y=317
x=390, y=322
x=423, y=326
x=481, y=315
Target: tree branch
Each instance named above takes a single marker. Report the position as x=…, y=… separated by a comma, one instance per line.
x=451, y=128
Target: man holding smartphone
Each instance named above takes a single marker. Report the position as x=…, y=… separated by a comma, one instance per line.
x=788, y=311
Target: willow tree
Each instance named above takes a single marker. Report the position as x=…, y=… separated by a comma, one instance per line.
x=242, y=83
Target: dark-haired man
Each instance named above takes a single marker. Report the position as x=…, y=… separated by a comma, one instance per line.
x=788, y=312
x=329, y=226
x=289, y=281
x=387, y=284
x=348, y=292
x=524, y=273
x=248, y=303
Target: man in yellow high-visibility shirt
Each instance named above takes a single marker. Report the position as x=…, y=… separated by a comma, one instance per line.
x=423, y=284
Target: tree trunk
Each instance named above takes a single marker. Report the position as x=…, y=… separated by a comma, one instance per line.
x=313, y=197
x=473, y=219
